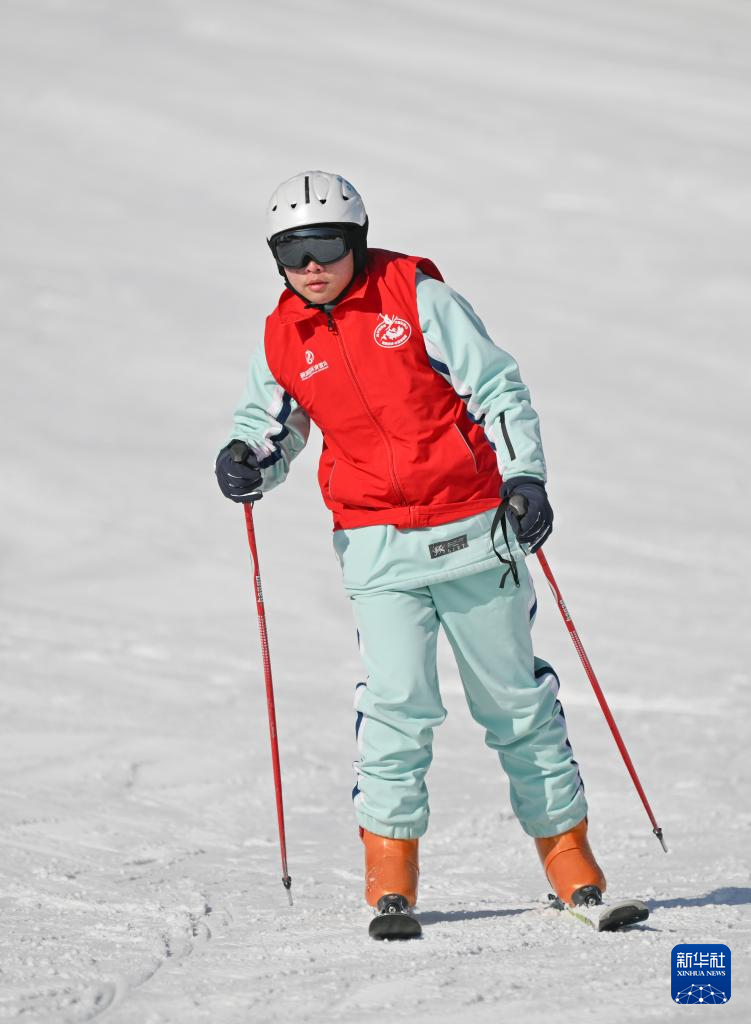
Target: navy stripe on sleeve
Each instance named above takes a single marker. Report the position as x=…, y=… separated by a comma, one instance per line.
x=275, y=439
x=440, y=367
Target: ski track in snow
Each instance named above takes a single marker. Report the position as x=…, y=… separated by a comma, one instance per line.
x=590, y=163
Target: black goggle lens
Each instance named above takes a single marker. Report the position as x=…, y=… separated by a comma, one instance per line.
x=294, y=251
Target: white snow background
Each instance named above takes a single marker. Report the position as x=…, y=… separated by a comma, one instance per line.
x=582, y=172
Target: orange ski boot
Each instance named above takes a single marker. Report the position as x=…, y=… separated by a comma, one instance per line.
x=570, y=865
x=390, y=867
x=391, y=873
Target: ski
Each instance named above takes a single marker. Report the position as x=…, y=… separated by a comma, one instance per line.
x=604, y=917
x=393, y=920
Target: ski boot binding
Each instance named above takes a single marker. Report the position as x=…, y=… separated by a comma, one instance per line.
x=587, y=906
x=393, y=919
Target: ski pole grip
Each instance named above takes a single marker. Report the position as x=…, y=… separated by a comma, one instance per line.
x=518, y=505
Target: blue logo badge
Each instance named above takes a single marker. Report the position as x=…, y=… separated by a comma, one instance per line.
x=700, y=973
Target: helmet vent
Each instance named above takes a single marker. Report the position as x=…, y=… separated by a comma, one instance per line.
x=307, y=189
x=293, y=206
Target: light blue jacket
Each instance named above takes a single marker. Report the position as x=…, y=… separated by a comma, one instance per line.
x=487, y=379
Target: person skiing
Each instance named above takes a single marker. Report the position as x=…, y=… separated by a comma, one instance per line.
x=429, y=443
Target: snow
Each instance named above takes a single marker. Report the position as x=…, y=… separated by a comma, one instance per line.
x=582, y=172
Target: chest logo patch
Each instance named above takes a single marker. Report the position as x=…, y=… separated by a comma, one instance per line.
x=313, y=366
x=392, y=331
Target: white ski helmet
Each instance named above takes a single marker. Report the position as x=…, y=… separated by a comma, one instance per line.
x=314, y=197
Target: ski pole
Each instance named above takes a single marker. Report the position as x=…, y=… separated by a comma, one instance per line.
x=286, y=880
x=598, y=693
x=519, y=510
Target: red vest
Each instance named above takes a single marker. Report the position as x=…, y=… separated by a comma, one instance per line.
x=398, y=445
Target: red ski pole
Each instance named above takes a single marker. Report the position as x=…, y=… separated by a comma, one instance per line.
x=286, y=880
x=598, y=692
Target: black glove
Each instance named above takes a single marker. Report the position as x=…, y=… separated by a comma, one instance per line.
x=238, y=473
x=528, y=510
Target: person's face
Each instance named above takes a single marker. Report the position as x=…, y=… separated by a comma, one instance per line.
x=322, y=282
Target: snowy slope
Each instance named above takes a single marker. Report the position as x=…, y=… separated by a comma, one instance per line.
x=581, y=172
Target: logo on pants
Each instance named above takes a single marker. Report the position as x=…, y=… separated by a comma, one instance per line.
x=448, y=547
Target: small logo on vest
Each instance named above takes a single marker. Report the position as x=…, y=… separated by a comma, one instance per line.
x=313, y=366
x=392, y=331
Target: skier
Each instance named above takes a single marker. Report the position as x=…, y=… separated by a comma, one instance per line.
x=427, y=427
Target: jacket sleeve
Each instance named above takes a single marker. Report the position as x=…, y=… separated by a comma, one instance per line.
x=484, y=376
x=270, y=421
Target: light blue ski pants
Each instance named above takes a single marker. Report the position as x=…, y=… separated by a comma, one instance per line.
x=512, y=694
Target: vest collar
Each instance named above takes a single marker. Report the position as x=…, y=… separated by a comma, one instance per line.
x=293, y=308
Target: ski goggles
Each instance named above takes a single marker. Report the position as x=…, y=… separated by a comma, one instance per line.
x=323, y=245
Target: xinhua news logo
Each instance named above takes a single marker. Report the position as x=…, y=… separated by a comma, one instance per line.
x=701, y=973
